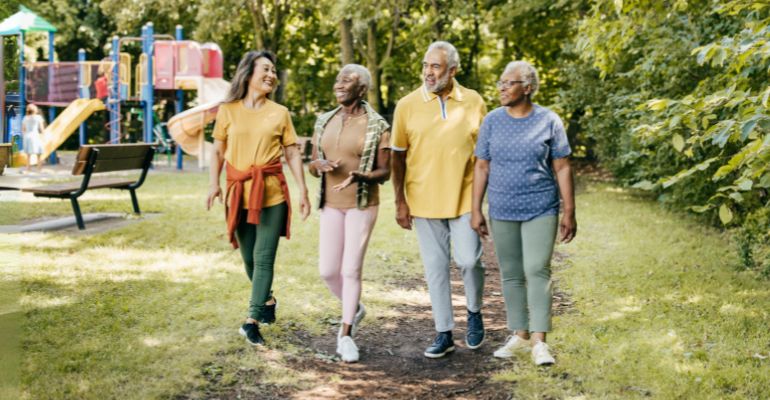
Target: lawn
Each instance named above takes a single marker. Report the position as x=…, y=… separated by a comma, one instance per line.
x=151, y=309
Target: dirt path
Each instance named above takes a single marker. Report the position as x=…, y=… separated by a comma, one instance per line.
x=392, y=365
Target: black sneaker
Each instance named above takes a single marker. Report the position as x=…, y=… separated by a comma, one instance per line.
x=251, y=333
x=442, y=345
x=268, y=313
x=474, y=334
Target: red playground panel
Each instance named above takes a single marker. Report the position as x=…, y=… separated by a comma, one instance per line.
x=188, y=61
x=164, y=64
x=212, y=60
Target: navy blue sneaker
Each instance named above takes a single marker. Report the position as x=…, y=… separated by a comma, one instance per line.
x=251, y=332
x=268, y=312
x=442, y=345
x=474, y=334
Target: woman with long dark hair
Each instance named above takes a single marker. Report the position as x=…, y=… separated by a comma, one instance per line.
x=250, y=134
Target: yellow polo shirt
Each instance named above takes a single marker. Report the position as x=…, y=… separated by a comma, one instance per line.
x=439, y=138
x=255, y=137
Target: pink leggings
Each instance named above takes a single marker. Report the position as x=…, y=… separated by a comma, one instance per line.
x=343, y=240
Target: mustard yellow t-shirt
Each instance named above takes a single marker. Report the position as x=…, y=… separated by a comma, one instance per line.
x=439, y=138
x=255, y=137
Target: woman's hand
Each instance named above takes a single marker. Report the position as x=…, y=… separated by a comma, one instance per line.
x=479, y=224
x=304, y=205
x=214, y=192
x=354, y=176
x=324, y=165
x=567, y=227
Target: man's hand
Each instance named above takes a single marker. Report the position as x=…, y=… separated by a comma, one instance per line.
x=403, y=217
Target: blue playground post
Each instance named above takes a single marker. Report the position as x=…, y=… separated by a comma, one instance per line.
x=179, y=105
x=51, y=110
x=81, y=94
x=147, y=88
x=22, y=79
x=113, y=101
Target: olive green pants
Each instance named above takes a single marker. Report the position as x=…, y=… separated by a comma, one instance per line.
x=259, y=245
x=524, y=252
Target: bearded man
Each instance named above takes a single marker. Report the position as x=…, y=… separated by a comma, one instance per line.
x=433, y=137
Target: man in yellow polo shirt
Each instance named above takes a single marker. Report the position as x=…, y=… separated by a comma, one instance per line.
x=433, y=137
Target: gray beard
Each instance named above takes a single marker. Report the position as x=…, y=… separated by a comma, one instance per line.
x=440, y=84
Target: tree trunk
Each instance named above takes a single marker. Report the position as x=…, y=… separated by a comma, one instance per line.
x=438, y=20
x=372, y=63
x=346, y=41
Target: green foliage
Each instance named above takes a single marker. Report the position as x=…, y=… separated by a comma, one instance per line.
x=682, y=102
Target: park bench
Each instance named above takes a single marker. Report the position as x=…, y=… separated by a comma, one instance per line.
x=5, y=156
x=96, y=159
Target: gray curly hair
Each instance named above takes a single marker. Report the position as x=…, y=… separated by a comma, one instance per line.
x=527, y=72
x=364, y=77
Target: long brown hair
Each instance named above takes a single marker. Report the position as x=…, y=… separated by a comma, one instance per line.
x=240, y=84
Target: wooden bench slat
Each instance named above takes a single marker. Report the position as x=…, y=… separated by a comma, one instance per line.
x=111, y=157
x=5, y=156
x=69, y=187
x=119, y=164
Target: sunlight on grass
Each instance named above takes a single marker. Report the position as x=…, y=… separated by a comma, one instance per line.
x=151, y=309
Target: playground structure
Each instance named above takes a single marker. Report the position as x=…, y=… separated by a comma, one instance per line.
x=167, y=65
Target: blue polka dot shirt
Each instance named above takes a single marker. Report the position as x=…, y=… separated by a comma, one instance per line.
x=522, y=185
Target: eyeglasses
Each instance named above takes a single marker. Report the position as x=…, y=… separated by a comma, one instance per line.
x=507, y=84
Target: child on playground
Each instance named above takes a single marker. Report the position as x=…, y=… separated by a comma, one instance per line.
x=31, y=128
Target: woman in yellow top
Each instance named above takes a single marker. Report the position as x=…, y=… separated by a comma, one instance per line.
x=250, y=134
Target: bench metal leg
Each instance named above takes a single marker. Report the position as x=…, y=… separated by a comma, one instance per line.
x=134, y=201
x=78, y=215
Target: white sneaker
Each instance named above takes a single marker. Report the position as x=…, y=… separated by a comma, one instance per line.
x=510, y=347
x=360, y=314
x=347, y=349
x=541, y=355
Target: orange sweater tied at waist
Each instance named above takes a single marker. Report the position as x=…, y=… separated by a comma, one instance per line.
x=236, y=178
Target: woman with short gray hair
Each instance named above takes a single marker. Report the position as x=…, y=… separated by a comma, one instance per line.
x=522, y=159
x=351, y=155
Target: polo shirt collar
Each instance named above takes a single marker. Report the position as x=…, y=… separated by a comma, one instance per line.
x=456, y=93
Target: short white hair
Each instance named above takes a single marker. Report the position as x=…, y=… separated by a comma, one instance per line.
x=364, y=77
x=452, y=57
x=527, y=73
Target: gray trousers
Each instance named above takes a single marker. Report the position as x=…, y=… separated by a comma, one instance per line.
x=435, y=236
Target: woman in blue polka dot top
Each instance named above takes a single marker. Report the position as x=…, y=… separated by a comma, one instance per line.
x=522, y=162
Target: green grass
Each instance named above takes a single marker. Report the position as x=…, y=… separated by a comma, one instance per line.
x=660, y=311
x=150, y=310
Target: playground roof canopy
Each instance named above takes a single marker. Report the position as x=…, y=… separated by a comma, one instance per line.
x=25, y=21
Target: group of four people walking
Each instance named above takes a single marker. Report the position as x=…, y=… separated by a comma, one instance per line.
x=443, y=152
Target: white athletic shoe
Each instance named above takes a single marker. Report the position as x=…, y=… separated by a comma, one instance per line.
x=541, y=355
x=510, y=347
x=347, y=349
x=360, y=314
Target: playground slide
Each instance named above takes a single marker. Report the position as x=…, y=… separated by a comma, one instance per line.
x=187, y=127
x=67, y=122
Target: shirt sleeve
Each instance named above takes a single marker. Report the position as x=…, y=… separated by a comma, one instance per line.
x=399, y=140
x=559, y=144
x=289, y=135
x=384, y=140
x=221, y=124
x=482, y=114
x=482, y=144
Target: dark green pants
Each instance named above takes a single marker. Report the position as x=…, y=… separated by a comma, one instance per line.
x=259, y=244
